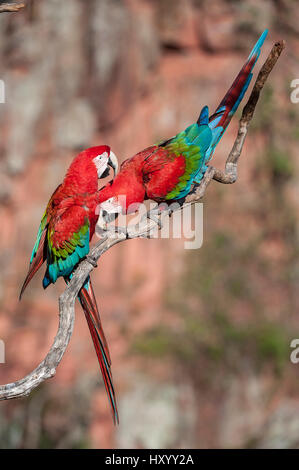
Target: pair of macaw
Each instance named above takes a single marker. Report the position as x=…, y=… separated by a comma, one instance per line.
x=162, y=172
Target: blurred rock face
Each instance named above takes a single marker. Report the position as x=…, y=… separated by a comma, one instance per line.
x=129, y=73
x=166, y=408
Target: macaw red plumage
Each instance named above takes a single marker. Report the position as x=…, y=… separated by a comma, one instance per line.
x=66, y=229
x=166, y=172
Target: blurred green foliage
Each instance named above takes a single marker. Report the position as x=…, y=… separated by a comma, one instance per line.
x=279, y=164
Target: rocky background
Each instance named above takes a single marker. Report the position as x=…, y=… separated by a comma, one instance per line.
x=200, y=339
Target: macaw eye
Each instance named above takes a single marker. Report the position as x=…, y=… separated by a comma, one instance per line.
x=101, y=163
x=103, y=156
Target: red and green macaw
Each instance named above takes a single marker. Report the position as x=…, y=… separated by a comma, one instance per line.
x=65, y=231
x=166, y=172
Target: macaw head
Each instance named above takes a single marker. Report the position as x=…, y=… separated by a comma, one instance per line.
x=88, y=166
x=102, y=157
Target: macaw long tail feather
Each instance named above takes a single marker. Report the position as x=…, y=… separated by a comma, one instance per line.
x=89, y=305
x=87, y=295
x=36, y=262
x=219, y=121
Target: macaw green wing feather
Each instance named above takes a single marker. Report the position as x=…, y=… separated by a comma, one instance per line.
x=67, y=242
x=193, y=144
x=43, y=224
x=42, y=227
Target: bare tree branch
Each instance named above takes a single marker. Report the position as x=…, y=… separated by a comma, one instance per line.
x=48, y=366
x=230, y=173
x=11, y=7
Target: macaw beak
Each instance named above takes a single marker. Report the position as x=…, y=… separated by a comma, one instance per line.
x=113, y=162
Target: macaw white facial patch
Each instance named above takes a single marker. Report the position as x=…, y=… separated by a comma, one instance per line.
x=101, y=163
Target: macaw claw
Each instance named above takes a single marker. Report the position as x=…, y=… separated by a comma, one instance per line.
x=92, y=261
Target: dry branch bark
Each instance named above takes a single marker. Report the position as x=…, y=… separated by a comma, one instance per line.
x=230, y=173
x=48, y=366
x=11, y=7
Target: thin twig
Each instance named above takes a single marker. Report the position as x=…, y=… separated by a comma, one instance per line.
x=48, y=366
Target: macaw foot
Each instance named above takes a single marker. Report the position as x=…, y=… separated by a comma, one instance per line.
x=117, y=230
x=194, y=188
x=154, y=215
x=158, y=211
x=103, y=232
x=121, y=231
x=92, y=261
